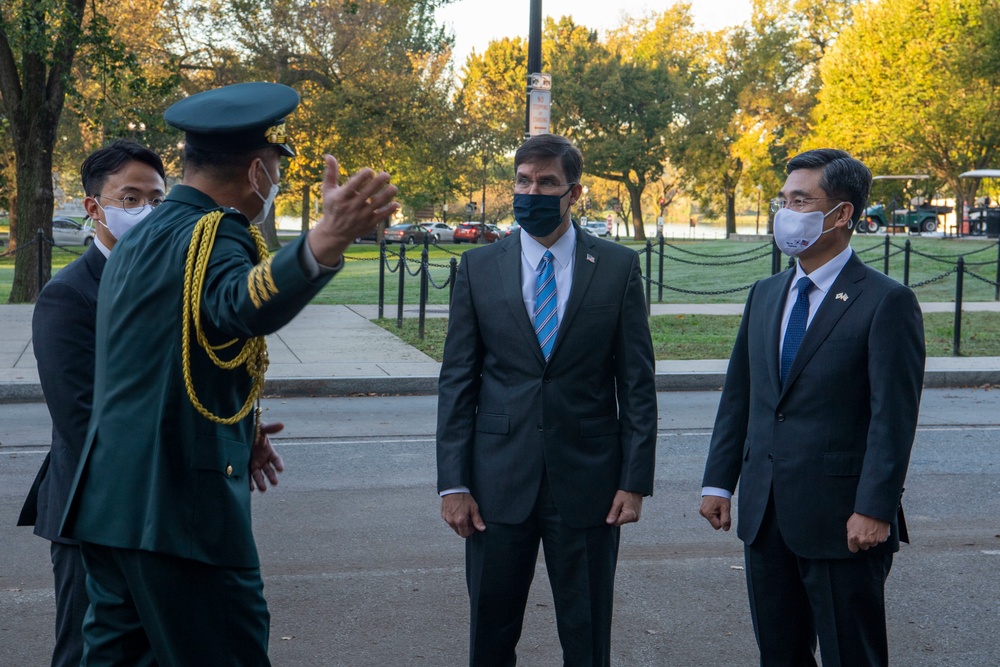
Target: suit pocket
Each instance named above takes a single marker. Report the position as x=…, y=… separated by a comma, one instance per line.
x=842, y=464
x=228, y=457
x=596, y=427
x=489, y=423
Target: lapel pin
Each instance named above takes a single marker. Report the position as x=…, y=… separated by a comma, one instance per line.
x=842, y=296
x=590, y=258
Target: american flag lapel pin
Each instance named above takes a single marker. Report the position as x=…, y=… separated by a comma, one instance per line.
x=842, y=296
x=590, y=258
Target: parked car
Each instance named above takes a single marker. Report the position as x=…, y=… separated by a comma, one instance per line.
x=439, y=231
x=586, y=229
x=67, y=231
x=476, y=232
x=405, y=232
x=513, y=228
x=599, y=227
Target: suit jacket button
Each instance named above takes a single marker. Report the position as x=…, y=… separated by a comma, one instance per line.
x=770, y=457
x=540, y=427
x=229, y=471
x=781, y=417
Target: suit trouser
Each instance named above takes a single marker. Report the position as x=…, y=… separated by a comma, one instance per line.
x=71, y=603
x=792, y=599
x=153, y=609
x=500, y=564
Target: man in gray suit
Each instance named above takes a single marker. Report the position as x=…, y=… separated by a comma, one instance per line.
x=122, y=182
x=816, y=421
x=546, y=413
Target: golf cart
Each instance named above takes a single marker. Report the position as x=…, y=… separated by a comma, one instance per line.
x=918, y=216
x=983, y=218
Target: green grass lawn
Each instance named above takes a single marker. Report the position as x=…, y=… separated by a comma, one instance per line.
x=712, y=336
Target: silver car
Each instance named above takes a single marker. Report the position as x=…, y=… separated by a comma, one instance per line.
x=439, y=232
x=67, y=231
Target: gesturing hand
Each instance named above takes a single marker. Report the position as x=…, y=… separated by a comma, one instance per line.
x=265, y=464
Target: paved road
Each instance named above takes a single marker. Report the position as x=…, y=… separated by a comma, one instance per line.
x=359, y=569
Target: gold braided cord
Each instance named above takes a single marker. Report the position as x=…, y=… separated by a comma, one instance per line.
x=254, y=353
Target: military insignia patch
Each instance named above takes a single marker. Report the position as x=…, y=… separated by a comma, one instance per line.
x=260, y=283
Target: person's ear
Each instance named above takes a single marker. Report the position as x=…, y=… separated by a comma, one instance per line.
x=574, y=194
x=92, y=208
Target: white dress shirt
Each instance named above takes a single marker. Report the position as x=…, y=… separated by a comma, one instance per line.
x=822, y=279
x=563, y=260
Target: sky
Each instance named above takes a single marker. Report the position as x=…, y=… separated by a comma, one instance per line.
x=476, y=22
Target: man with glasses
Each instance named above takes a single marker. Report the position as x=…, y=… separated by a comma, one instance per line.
x=173, y=572
x=546, y=414
x=123, y=182
x=816, y=423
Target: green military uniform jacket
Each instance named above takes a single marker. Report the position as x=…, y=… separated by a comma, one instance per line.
x=154, y=473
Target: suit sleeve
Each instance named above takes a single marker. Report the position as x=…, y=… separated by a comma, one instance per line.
x=896, y=358
x=635, y=379
x=62, y=333
x=725, y=452
x=458, y=386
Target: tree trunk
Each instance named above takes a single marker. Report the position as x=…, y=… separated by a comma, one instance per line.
x=305, y=208
x=33, y=212
x=730, y=212
x=269, y=231
x=635, y=203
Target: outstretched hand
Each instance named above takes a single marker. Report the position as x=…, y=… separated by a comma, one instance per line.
x=350, y=210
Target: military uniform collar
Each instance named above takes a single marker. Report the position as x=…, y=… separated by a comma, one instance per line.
x=185, y=194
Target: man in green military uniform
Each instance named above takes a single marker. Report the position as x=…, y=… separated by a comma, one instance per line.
x=173, y=572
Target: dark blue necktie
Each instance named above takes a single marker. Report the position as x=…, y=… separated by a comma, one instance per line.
x=546, y=317
x=796, y=328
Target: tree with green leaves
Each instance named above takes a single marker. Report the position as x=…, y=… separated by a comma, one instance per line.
x=916, y=95
x=38, y=41
x=617, y=101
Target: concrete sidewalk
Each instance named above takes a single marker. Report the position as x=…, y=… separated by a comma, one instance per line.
x=338, y=351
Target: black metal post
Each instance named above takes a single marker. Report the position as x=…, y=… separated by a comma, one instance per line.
x=424, y=268
x=906, y=263
x=41, y=263
x=659, y=293
x=402, y=277
x=381, y=279
x=775, y=258
x=534, y=57
x=452, y=274
x=885, y=260
x=956, y=345
x=791, y=262
x=649, y=277
x=996, y=288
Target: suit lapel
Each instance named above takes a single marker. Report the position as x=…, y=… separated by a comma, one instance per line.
x=584, y=266
x=95, y=261
x=848, y=287
x=509, y=264
x=777, y=307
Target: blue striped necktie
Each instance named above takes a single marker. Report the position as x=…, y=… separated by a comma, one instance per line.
x=796, y=328
x=546, y=316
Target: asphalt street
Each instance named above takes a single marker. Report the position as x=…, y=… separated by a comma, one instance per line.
x=360, y=570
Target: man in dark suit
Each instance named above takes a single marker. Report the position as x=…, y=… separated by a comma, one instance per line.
x=173, y=574
x=816, y=421
x=122, y=182
x=546, y=413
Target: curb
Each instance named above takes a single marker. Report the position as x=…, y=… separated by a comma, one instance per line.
x=426, y=385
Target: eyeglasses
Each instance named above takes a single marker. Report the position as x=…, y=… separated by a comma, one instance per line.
x=795, y=203
x=548, y=186
x=132, y=204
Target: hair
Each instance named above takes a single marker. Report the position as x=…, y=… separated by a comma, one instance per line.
x=549, y=146
x=843, y=177
x=111, y=159
x=222, y=166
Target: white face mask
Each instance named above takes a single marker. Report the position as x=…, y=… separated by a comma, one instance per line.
x=120, y=221
x=268, y=200
x=794, y=232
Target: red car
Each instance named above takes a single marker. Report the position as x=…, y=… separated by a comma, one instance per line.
x=476, y=232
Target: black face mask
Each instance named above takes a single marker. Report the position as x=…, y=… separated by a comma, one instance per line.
x=539, y=215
